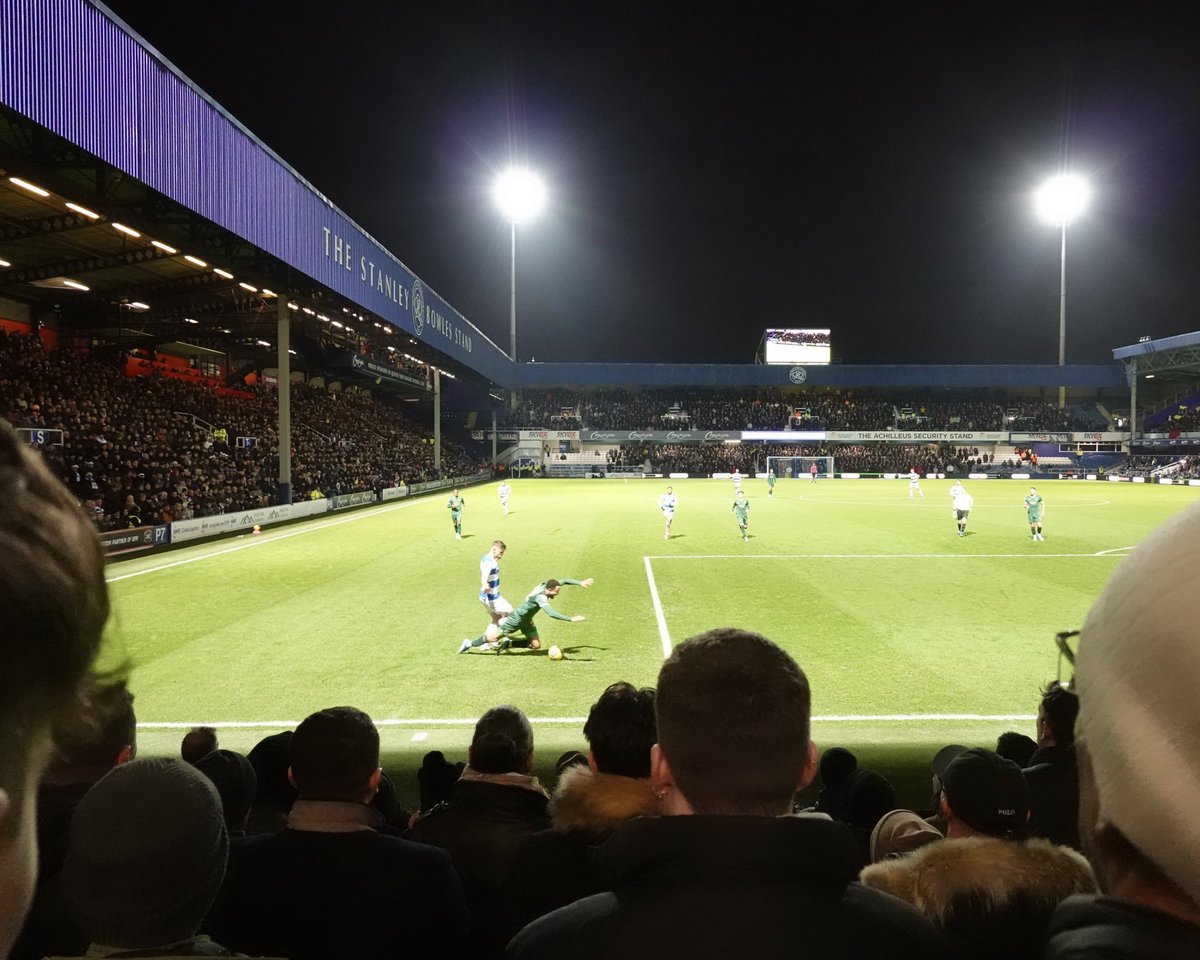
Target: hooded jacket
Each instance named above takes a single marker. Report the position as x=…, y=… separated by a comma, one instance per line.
x=992, y=897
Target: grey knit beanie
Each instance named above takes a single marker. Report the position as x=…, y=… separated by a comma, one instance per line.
x=146, y=854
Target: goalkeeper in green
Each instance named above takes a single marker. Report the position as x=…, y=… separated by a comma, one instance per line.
x=498, y=636
x=741, y=510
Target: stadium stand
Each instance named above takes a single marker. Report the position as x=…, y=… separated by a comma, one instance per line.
x=149, y=448
x=773, y=409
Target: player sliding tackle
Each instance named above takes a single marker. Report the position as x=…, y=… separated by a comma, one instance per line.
x=499, y=636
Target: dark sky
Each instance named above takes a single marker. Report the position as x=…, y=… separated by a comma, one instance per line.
x=718, y=169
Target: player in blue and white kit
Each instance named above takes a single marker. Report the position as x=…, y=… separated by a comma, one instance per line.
x=489, y=583
x=505, y=491
x=737, y=480
x=914, y=483
x=667, y=504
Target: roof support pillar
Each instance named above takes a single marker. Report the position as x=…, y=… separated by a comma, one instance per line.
x=284, y=394
x=437, y=423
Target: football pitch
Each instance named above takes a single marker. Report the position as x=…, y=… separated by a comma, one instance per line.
x=910, y=635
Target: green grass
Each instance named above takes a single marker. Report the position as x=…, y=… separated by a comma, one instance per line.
x=893, y=617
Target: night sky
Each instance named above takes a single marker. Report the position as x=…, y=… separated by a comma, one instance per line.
x=717, y=169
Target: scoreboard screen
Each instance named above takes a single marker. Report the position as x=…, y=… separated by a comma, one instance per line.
x=797, y=346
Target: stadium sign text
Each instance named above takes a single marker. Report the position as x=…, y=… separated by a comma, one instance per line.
x=918, y=436
x=339, y=250
x=660, y=436
x=548, y=435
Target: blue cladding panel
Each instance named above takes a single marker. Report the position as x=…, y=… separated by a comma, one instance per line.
x=70, y=66
x=1087, y=376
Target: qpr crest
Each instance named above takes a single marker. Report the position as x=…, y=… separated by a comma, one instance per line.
x=797, y=374
x=418, y=307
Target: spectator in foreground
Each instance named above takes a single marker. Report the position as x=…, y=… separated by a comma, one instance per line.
x=1016, y=747
x=86, y=750
x=592, y=799
x=54, y=603
x=198, y=742
x=726, y=872
x=990, y=890
x=497, y=805
x=331, y=885
x=274, y=792
x=1136, y=675
x=236, y=783
x=1051, y=774
x=146, y=857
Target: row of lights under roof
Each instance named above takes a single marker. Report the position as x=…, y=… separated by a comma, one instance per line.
x=133, y=234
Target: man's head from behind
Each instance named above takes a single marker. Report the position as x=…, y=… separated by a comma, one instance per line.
x=733, y=736
x=53, y=604
x=334, y=755
x=1057, y=712
x=1138, y=731
x=503, y=742
x=621, y=730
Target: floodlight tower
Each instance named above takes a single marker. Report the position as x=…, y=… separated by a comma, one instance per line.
x=520, y=194
x=1058, y=201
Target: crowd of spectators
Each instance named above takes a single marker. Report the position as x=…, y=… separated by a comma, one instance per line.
x=795, y=408
x=749, y=459
x=142, y=450
x=1180, y=418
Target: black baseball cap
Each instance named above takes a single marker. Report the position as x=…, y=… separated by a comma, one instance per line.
x=987, y=792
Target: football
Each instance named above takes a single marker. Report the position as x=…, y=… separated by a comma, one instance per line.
x=555, y=653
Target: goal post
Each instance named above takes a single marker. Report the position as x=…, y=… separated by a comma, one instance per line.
x=794, y=468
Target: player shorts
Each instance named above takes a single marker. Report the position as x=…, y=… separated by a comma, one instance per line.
x=962, y=514
x=496, y=606
x=1034, y=517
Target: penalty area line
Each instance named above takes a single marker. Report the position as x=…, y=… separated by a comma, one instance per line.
x=579, y=721
x=658, y=610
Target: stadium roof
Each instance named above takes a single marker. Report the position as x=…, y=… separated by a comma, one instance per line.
x=93, y=116
x=1170, y=357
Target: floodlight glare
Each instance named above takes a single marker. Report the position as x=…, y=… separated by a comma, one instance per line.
x=519, y=194
x=1061, y=199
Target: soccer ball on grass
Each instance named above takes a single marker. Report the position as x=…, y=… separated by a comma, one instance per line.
x=555, y=653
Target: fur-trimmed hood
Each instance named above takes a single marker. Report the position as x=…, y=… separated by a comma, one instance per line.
x=599, y=802
x=982, y=873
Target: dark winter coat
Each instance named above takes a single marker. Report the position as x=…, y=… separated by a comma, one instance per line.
x=322, y=896
x=1054, y=795
x=1105, y=928
x=727, y=886
x=992, y=897
x=484, y=827
x=557, y=866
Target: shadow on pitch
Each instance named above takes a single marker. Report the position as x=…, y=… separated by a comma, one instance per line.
x=569, y=653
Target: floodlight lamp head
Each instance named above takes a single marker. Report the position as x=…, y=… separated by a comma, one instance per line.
x=1061, y=199
x=520, y=194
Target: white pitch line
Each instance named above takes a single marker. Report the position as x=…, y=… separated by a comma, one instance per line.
x=258, y=542
x=1114, y=550
x=579, y=721
x=877, y=556
x=658, y=611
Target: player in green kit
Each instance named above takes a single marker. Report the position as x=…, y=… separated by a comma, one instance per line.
x=741, y=510
x=770, y=483
x=455, y=505
x=1035, y=510
x=498, y=636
